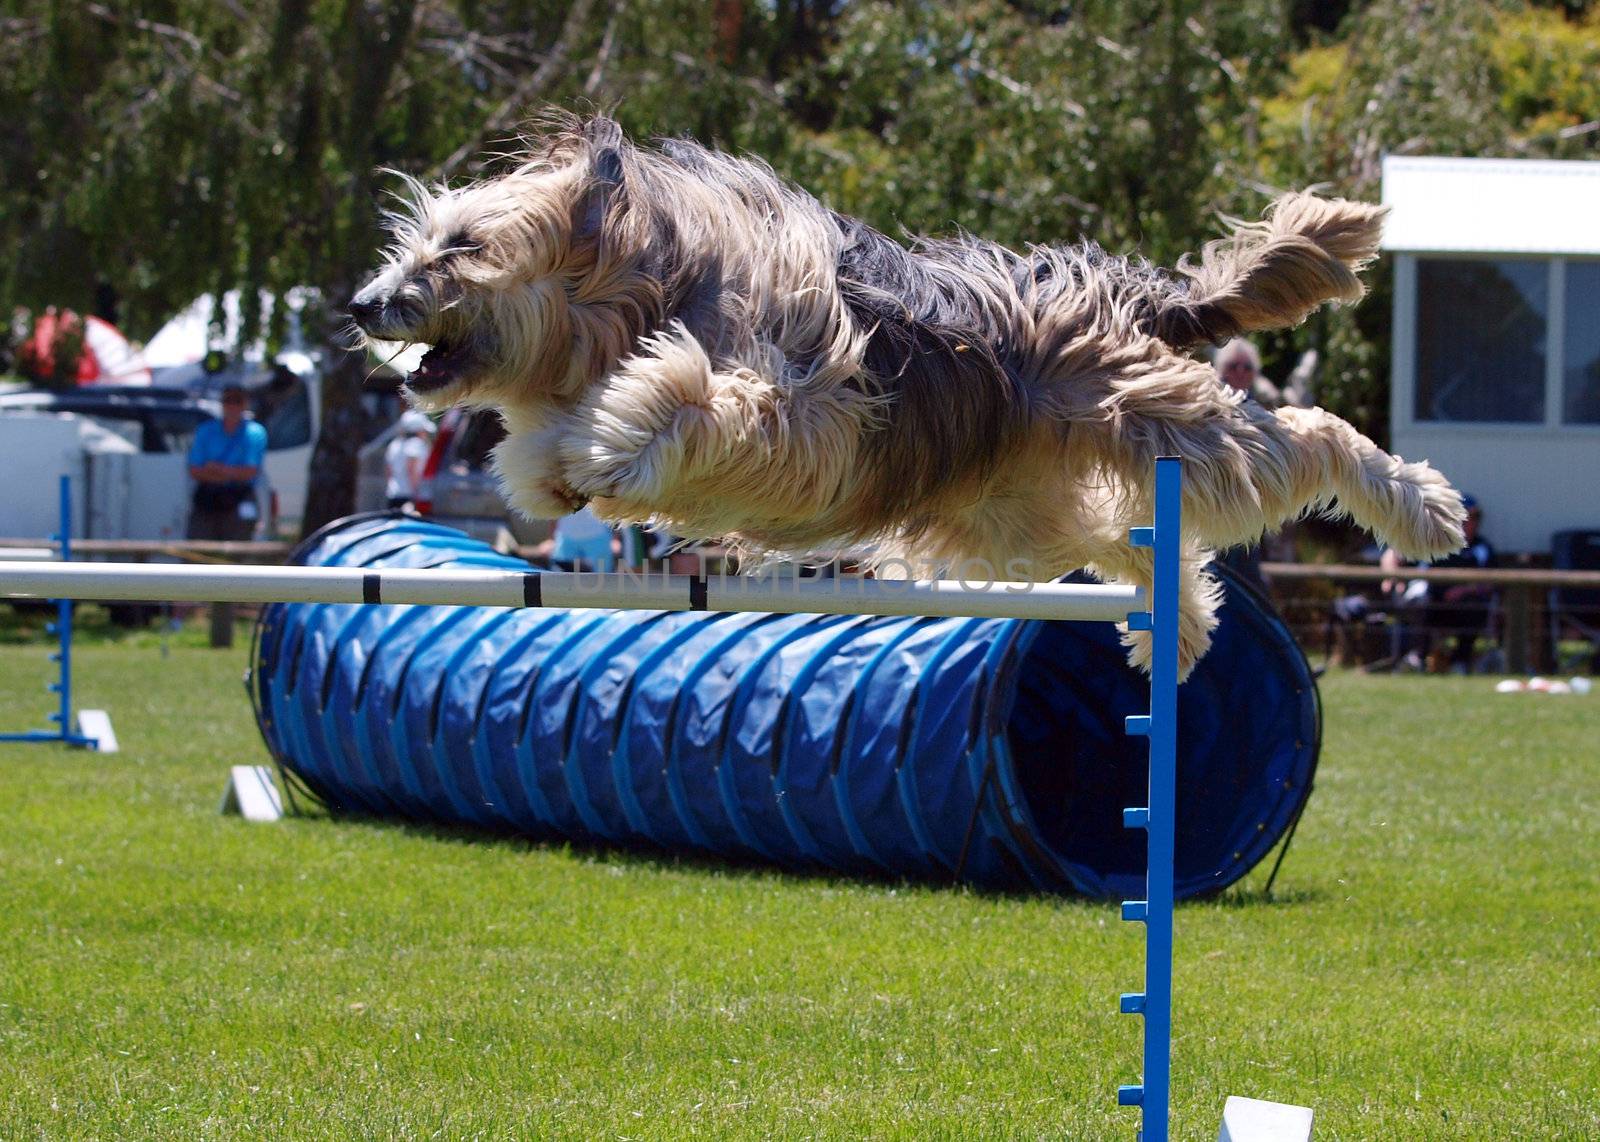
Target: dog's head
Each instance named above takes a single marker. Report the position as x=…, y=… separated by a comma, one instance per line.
x=522, y=285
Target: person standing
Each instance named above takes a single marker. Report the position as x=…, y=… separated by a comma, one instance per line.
x=225, y=462
x=405, y=457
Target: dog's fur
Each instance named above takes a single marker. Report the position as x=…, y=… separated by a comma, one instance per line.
x=676, y=334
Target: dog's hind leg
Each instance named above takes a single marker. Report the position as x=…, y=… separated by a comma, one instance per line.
x=1248, y=470
x=1199, y=596
x=1032, y=531
x=672, y=432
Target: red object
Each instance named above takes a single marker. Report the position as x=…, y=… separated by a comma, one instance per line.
x=423, y=501
x=105, y=356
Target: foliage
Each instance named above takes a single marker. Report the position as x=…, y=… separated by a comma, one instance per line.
x=1444, y=77
x=1547, y=65
x=1043, y=123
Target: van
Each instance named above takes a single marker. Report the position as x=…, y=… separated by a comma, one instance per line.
x=125, y=449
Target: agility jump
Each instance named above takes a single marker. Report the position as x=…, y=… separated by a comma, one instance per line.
x=1088, y=602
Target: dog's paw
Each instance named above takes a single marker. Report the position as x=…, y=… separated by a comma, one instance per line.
x=529, y=480
x=648, y=429
x=628, y=462
x=548, y=499
x=1194, y=639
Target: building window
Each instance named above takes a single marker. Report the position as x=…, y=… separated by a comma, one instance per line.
x=1481, y=340
x=1580, y=383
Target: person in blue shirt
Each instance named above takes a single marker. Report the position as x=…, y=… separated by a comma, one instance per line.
x=583, y=542
x=224, y=462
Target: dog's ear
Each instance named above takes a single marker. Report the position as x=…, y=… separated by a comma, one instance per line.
x=604, y=137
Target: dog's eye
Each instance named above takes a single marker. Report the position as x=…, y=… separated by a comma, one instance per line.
x=459, y=242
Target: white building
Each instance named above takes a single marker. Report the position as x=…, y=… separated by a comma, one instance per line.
x=1496, y=370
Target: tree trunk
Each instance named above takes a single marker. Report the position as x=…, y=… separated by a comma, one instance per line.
x=331, y=482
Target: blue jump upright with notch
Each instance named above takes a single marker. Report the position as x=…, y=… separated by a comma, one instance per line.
x=62, y=656
x=988, y=751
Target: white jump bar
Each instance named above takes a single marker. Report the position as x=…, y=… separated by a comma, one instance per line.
x=1099, y=602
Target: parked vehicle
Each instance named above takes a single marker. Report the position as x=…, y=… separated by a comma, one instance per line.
x=126, y=450
x=151, y=419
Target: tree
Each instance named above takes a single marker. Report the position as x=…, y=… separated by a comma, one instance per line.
x=1441, y=77
x=171, y=149
x=157, y=150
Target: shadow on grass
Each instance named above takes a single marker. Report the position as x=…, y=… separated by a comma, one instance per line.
x=26, y=623
x=1241, y=897
x=644, y=858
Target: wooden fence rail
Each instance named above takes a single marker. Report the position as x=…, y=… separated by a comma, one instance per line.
x=1522, y=593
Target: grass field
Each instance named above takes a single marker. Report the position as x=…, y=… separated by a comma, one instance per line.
x=1429, y=970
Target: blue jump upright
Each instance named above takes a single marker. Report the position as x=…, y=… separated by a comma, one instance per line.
x=1158, y=817
x=62, y=629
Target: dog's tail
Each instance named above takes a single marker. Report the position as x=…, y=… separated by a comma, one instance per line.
x=1270, y=274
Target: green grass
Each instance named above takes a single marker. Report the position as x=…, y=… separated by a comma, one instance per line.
x=1428, y=971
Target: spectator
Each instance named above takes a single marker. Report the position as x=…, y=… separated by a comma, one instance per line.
x=581, y=542
x=404, y=458
x=224, y=462
x=1238, y=366
x=1461, y=610
x=1424, y=614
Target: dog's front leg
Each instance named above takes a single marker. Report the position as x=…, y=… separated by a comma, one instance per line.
x=670, y=428
x=527, y=466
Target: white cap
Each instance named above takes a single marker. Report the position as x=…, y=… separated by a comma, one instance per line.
x=413, y=421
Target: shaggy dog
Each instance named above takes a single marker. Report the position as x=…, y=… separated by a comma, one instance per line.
x=677, y=334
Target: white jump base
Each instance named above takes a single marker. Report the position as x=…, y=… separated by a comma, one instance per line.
x=117, y=582
x=1255, y=1120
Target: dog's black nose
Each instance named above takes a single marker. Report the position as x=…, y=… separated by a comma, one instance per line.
x=363, y=311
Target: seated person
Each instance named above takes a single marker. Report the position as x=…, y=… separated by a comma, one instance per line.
x=1396, y=611
x=1425, y=614
x=1461, y=610
x=581, y=542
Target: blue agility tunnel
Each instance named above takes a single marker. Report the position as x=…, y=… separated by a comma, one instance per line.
x=984, y=751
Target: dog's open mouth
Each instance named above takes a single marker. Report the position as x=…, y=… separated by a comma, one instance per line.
x=441, y=366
